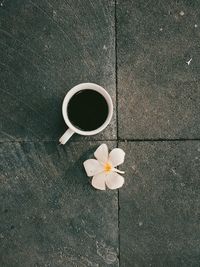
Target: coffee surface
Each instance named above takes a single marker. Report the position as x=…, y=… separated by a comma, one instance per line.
x=87, y=110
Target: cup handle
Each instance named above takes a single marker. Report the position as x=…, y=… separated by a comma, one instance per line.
x=65, y=137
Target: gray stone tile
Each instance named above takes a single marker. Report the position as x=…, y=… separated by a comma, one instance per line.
x=159, y=204
x=159, y=93
x=47, y=47
x=50, y=214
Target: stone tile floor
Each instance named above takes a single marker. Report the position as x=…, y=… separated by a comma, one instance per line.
x=146, y=54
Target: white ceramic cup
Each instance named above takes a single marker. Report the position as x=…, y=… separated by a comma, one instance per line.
x=72, y=129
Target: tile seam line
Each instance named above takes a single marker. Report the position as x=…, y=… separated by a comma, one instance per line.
x=102, y=140
x=55, y=141
x=117, y=120
x=158, y=140
x=116, y=71
x=118, y=213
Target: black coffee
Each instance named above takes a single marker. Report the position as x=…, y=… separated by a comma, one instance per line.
x=87, y=110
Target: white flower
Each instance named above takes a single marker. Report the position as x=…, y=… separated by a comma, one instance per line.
x=103, y=168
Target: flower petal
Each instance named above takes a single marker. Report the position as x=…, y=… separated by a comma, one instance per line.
x=114, y=180
x=116, y=157
x=101, y=154
x=99, y=181
x=92, y=167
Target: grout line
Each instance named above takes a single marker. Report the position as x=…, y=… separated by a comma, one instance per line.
x=103, y=140
x=117, y=119
x=118, y=202
x=116, y=71
x=159, y=140
x=119, y=245
x=56, y=141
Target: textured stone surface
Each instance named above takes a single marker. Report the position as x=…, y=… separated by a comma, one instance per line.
x=47, y=47
x=159, y=93
x=159, y=204
x=49, y=213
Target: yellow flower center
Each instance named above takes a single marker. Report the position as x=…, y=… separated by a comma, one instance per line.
x=107, y=167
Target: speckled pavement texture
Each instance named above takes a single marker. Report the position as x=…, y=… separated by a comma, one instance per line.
x=50, y=215
x=146, y=54
x=159, y=205
x=158, y=69
x=47, y=47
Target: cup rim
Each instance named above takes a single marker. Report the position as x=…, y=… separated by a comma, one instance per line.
x=91, y=86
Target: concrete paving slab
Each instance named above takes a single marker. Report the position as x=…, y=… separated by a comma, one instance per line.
x=47, y=47
x=50, y=214
x=159, y=204
x=158, y=69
